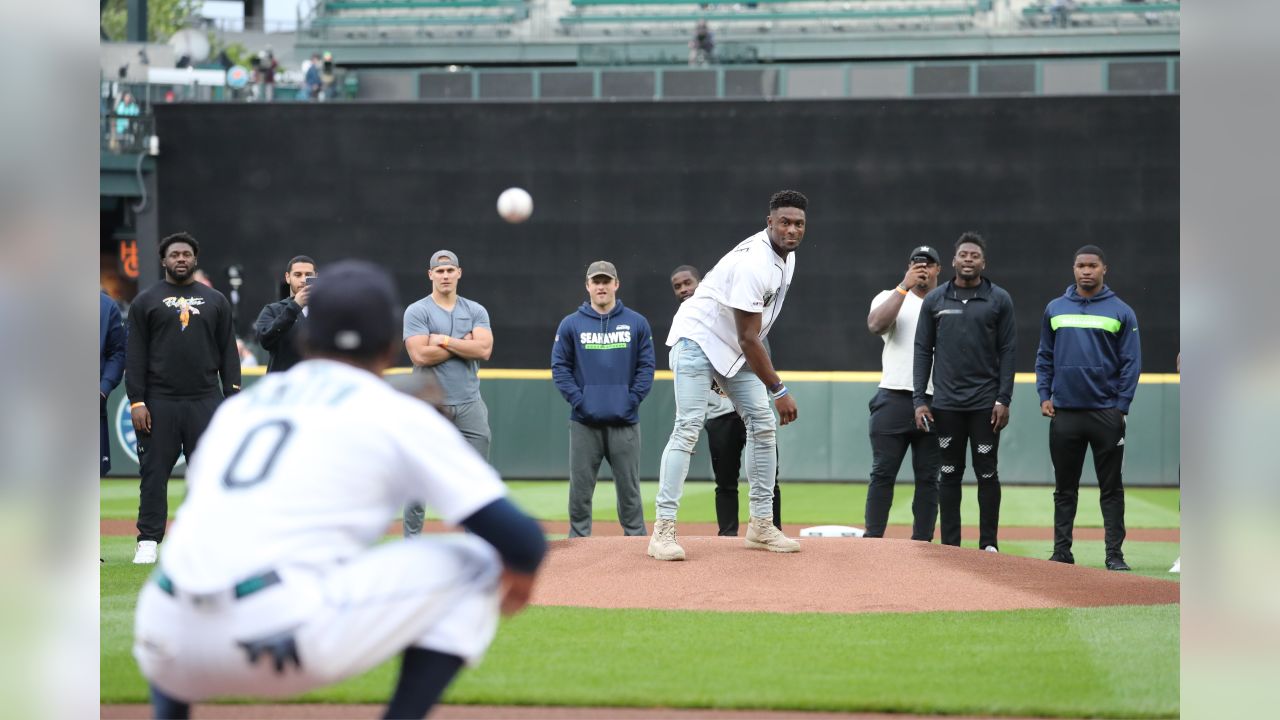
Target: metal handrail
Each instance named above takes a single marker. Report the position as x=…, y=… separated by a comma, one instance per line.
x=125, y=134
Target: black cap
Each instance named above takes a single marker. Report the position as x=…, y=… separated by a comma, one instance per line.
x=926, y=251
x=353, y=310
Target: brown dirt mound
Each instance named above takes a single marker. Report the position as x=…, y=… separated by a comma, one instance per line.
x=829, y=575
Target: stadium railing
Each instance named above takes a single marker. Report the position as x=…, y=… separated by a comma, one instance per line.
x=125, y=134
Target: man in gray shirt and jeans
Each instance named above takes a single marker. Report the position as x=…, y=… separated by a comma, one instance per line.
x=447, y=335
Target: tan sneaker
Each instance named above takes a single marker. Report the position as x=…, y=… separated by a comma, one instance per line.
x=762, y=535
x=663, y=545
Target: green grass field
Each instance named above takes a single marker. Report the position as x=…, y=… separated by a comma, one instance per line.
x=808, y=503
x=1098, y=662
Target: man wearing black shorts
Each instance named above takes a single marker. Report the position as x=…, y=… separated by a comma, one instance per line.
x=966, y=333
x=181, y=360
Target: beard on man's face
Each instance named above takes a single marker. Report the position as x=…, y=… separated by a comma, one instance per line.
x=181, y=273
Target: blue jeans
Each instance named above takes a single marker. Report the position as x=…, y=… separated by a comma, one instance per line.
x=693, y=375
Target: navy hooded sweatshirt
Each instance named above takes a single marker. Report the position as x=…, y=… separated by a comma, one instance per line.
x=603, y=364
x=1090, y=355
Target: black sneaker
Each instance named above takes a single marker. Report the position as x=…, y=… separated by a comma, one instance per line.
x=1062, y=558
x=1118, y=564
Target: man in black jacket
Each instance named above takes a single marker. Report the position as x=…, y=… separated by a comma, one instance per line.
x=279, y=322
x=966, y=335
x=180, y=362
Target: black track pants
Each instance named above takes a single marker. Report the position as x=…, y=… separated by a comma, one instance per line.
x=1071, y=432
x=959, y=431
x=176, y=425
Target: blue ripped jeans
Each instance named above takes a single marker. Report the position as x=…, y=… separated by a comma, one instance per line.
x=693, y=375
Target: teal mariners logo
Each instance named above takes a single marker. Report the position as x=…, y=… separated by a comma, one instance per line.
x=127, y=437
x=619, y=338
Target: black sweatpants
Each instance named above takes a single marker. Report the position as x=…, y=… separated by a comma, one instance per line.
x=104, y=444
x=176, y=425
x=893, y=431
x=726, y=437
x=1071, y=432
x=959, y=430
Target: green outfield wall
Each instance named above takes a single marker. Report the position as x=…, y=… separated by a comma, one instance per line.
x=530, y=423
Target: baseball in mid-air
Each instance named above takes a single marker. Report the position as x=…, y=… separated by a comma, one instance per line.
x=515, y=205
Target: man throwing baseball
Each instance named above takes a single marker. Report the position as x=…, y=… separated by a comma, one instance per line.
x=275, y=582
x=716, y=336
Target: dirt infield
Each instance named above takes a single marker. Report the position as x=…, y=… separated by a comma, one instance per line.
x=829, y=575
x=499, y=712
x=611, y=529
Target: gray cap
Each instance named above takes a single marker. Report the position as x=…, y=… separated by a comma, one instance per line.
x=450, y=258
x=926, y=251
x=602, y=267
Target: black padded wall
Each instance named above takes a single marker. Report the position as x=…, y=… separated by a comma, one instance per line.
x=655, y=185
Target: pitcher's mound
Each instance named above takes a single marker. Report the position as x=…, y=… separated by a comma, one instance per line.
x=837, y=575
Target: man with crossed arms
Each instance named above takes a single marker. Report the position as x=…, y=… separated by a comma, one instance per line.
x=447, y=335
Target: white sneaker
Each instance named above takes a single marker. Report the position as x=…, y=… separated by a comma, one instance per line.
x=1177, y=565
x=663, y=545
x=991, y=548
x=762, y=535
x=146, y=553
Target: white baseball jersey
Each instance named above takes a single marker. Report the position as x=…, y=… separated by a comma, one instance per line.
x=750, y=277
x=308, y=467
x=299, y=476
x=899, y=354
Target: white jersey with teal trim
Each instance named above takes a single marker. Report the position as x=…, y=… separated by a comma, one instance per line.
x=309, y=467
x=278, y=544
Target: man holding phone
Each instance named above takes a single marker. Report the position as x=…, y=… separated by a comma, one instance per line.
x=893, y=430
x=280, y=322
x=966, y=334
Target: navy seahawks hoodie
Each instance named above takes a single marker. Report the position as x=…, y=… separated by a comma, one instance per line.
x=603, y=364
x=1090, y=355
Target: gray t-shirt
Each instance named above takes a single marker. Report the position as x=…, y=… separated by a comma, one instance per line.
x=457, y=377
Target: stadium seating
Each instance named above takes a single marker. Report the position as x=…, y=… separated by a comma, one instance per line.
x=365, y=18
x=665, y=16
x=1116, y=12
